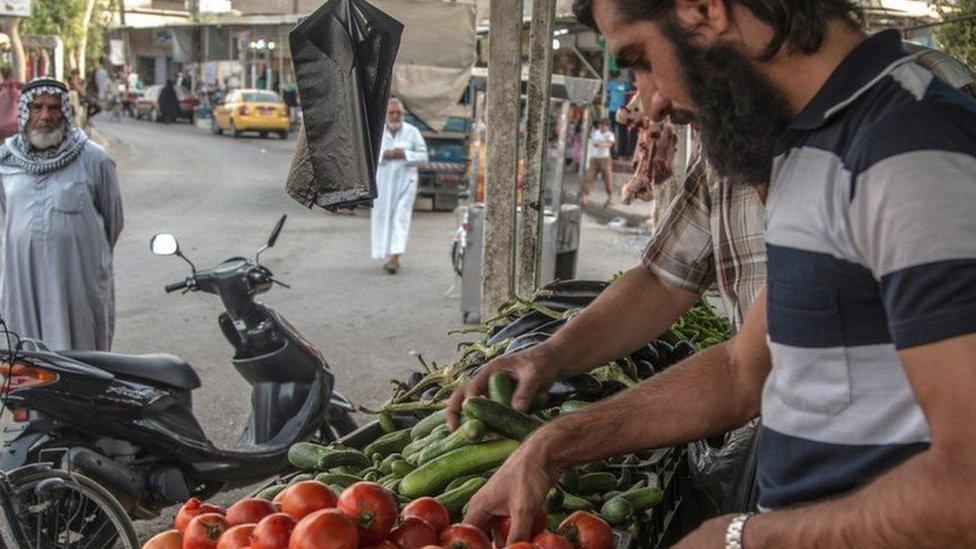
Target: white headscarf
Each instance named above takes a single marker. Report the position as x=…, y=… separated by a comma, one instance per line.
x=17, y=150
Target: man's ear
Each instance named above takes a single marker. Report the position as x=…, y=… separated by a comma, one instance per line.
x=705, y=20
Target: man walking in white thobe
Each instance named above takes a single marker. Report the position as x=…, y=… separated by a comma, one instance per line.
x=396, y=180
x=62, y=216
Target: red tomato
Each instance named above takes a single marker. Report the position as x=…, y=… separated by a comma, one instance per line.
x=204, y=531
x=431, y=547
x=306, y=497
x=276, y=502
x=385, y=544
x=503, y=526
x=413, y=533
x=272, y=532
x=237, y=537
x=523, y=545
x=190, y=509
x=429, y=509
x=249, y=511
x=464, y=536
x=371, y=507
x=170, y=539
x=548, y=540
x=587, y=531
x=325, y=529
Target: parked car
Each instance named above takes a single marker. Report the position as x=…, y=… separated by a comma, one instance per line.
x=147, y=106
x=262, y=111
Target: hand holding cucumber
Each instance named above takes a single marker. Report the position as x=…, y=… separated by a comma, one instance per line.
x=531, y=370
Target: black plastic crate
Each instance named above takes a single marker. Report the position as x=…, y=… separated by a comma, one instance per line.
x=658, y=527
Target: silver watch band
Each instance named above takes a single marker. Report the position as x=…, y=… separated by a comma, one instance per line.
x=733, y=534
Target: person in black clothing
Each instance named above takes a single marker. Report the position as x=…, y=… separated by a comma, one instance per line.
x=169, y=103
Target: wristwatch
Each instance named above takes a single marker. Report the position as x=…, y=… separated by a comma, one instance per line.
x=733, y=534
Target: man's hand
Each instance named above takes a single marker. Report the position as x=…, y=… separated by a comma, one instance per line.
x=531, y=370
x=517, y=490
x=710, y=535
x=394, y=154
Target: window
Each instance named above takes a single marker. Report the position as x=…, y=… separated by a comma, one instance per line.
x=262, y=97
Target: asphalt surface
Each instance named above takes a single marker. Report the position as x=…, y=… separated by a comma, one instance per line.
x=221, y=196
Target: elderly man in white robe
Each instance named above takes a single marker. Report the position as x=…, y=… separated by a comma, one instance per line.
x=62, y=216
x=396, y=180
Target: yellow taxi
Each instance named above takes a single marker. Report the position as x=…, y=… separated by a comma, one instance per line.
x=261, y=111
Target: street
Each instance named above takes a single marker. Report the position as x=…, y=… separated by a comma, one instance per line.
x=221, y=197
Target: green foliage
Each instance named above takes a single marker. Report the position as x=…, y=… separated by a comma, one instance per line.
x=66, y=18
x=957, y=39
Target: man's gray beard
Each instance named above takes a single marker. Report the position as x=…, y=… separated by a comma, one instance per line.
x=394, y=126
x=45, y=140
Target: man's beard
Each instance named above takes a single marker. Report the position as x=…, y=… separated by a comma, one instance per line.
x=740, y=113
x=394, y=126
x=42, y=140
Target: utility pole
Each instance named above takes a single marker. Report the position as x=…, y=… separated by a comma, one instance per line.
x=536, y=134
x=501, y=172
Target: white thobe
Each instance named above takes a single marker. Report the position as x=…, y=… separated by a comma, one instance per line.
x=396, y=182
x=59, y=231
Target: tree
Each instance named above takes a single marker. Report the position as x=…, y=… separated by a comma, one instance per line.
x=957, y=39
x=80, y=23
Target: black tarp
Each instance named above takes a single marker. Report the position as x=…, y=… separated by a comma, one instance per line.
x=343, y=56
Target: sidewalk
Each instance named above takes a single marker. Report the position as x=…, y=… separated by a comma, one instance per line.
x=635, y=214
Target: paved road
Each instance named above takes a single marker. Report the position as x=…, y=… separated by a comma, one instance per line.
x=221, y=197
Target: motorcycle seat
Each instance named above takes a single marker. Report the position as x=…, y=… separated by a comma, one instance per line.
x=160, y=368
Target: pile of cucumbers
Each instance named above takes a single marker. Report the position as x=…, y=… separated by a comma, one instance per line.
x=428, y=459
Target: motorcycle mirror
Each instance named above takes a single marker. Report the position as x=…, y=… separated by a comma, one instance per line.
x=277, y=231
x=164, y=244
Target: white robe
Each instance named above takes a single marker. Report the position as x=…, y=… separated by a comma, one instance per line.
x=59, y=231
x=396, y=182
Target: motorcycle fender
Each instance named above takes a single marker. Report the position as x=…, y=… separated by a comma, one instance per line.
x=15, y=452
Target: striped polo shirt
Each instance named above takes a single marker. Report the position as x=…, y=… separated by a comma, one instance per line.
x=871, y=243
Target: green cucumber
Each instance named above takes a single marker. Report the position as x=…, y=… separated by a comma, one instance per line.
x=643, y=498
x=569, y=479
x=387, y=478
x=571, y=406
x=340, y=480
x=539, y=401
x=574, y=503
x=300, y=478
x=554, y=520
x=386, y=466
x=500, y=388
x=469, y=432
x=347, y=469
x=502, y=419
x=311, y=456
x=401, y=468
x=455, y=500
x=392, y=485
x=389, y=443
x=595, y=483
x=462, y=479
x=387, y=423
x=625, y=480
x=419, y=444
x=270, y=492
x=554, y=499
x=617, y=510
x=426, y=425
x=372, y=476
x=431, y=477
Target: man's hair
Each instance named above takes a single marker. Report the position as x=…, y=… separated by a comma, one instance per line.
x=800, y=25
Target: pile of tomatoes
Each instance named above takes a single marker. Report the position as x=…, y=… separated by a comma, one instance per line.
x=308, y=515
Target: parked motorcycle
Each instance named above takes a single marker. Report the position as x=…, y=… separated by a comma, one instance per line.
x=127, y=421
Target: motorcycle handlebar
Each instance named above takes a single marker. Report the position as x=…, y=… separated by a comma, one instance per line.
x=170, y=288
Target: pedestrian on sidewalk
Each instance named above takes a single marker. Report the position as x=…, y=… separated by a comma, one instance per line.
x=62, y=216
x=169, y=103
x=600, y=161
x=402, y=149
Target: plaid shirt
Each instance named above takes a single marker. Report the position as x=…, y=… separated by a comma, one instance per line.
x=712, y=234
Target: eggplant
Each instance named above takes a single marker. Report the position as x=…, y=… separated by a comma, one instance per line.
x=578, y=285
x=648, y=353
x=665, y=352
x=430, y=393
x=414, y=378
x=581, y=387
x=683, y=350
x=525, y=341
x=550, y=328
x=563, y=301
x=524, y=324
x=645, y=369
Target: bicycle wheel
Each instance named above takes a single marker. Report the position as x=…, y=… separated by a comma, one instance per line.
x=59, y=509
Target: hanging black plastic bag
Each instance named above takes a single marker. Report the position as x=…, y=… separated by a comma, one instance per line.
x=723, y=477
x=343, y=56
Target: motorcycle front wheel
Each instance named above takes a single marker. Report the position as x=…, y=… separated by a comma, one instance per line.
x=59, y=509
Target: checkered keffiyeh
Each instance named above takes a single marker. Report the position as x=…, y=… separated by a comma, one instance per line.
x=17, y=150
x=712, y=234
